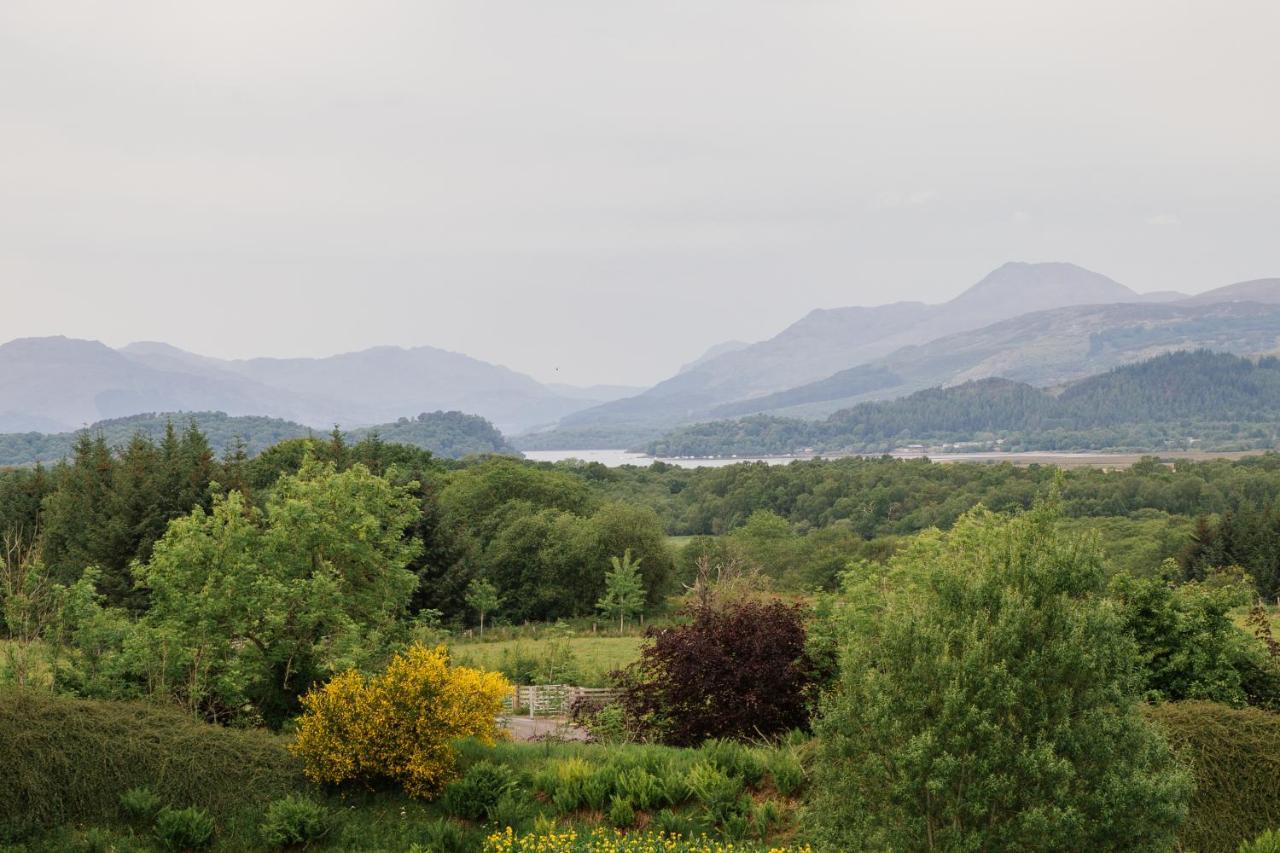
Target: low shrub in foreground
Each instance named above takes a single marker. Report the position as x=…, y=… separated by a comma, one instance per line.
x=69, y=761
x=478, y=791
x=141, y=804
x=184, y=829
x=612, y=841
x=400, y=724
x=295, y=821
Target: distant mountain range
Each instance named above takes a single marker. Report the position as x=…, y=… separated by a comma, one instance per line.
x=449, y=434
x=1043, y=324
x=1183, y=400
x=60, y=384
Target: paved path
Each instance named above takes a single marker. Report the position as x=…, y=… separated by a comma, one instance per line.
x=535, y=728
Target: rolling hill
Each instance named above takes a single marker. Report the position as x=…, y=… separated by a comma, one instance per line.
x=1182, y=399
x=449, y=434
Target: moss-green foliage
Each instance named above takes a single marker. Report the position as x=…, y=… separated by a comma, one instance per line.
x=1235, y=756
x=295, y=821
x=184, y=829
x=70, y=760
x=141, y=804
x=478, y=791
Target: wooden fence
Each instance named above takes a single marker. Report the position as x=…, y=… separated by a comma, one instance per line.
x=554, y=699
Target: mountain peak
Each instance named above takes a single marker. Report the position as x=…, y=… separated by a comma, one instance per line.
x=1019, y=287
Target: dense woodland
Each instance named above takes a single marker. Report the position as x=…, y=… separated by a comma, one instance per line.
x=448, y=434
x=1197, y=399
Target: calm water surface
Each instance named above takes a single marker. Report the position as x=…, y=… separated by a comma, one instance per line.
x=615, y=458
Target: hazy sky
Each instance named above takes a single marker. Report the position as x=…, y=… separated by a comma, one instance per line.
x=596, y=191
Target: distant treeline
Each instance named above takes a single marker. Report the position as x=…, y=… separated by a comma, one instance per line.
x=1184, y=399
x=543, y=533
x=449, y=434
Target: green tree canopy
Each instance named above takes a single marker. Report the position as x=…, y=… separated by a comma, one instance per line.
x=253, y=606
x=988, y=701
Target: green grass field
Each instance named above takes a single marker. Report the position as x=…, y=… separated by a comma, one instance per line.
x=594, y=657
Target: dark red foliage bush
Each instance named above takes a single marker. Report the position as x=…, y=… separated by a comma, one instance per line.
x=735, y=670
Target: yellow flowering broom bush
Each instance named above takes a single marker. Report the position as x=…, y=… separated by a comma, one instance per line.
x=400, y=724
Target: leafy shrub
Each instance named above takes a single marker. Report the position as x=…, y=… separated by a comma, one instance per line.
x=479, y=790
x=719, y=793
x=787, y=771
x=1189, y=647
x=1235, y=757
x=141, y=804
x=608, y=725
x=738, y=669
x=562, y=783
x=989, y=653
x=595, y=792
x=621, y=813
x=641, y=788
x=295, y=821
x=735, y=759
x=184, y=829
x=766, y=816
x=514, y=809
x=400, y=724
x=52, y=750
x=1267, y=842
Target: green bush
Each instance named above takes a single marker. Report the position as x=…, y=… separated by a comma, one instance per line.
x=719, y=793
x=609, y=725
x=295, y=821
x=787, y=772
x=513, y=809
x=141, y=804
x=67, y=760
x=735, y=759
x=595, y=792
x=1235, y=757
x=621, y=813
x=1267, y=842
x=184, y=829
x=765, y=817
x=641, y=788
x=479, y=790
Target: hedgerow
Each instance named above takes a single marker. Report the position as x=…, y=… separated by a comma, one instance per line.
x=1234, y=754
x=69, y=761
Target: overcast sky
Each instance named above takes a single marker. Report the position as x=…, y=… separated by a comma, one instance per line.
x=596, y=191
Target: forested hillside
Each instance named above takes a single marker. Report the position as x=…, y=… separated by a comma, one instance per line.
x=449, y=434
x=1185, y=399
